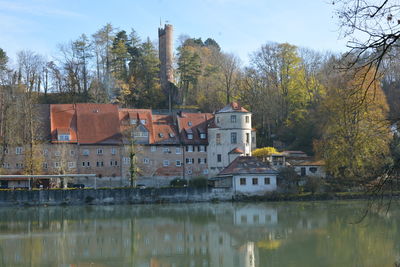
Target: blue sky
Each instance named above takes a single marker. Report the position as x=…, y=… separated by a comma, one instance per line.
x=239, y=26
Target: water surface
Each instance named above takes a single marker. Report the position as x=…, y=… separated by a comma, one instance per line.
x=240, y=234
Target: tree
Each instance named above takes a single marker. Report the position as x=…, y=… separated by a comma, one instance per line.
x=373, y=28
x=355, y=135
x=264, y=152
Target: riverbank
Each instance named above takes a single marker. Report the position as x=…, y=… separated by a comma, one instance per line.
x=109, y=196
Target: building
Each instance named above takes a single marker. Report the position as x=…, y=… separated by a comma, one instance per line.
x=230, y=135
x=99, y=139
x=247, y=175
x=310, y=168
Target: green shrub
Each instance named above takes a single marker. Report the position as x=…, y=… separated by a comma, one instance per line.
x=178, y=183
x=198, y=182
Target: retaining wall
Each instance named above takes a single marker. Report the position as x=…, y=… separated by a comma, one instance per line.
x=112, y=196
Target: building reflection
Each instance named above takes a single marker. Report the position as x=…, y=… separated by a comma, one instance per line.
x=154, y=235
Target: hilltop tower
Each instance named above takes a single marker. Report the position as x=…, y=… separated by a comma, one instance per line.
x=165, y=53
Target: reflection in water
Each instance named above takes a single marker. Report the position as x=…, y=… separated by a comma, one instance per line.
x=251, y=235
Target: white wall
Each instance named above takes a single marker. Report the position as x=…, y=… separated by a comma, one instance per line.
x=226, y=127
x=249, y=188
x=320, y=171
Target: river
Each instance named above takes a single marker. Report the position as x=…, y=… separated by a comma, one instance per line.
x=206, y=234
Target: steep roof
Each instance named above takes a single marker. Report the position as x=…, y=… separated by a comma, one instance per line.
x=193, y=123
x=98, y=124
x=232, y=107
x=63, y=119
x=86, y=123
x=247, y=165
x=164, y=129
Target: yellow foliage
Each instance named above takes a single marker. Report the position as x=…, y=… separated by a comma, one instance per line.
x=265, y=151
x=269, y=245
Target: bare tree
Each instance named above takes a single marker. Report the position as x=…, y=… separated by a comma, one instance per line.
x=373, y=28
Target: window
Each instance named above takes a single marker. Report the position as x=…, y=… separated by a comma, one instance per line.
x=153, y=149
x=242, y=181
x=141, y=134
x=189, y=148
x=218, y=139
x=189, y=123
x=189, y=171
x=203, y=136
x=205, y=171
x=177, y=150
x=143, y=122
x=18, y=150
x=146, y=161
x=113, y=151
x=83, y=164
x=85, y=152
x=56, y=164
x=247, y=138
x=233, y=138
x=313, y=169
x=113, y=163
x=19, y=165
x=267, y=180
x=202, y=148
x=6, y=151
x=166, y=149
x=178, y=163
x=233, y=118
x=189, y=160
x=99, y=164
x=126, y=160
x=133, y=121
x=217, y=119
x=255, y=181
x=303, y=171
x=161, y=135
x=190, y=136
x=99, y=151
x=57, y=153
x=247, y=119
x=45, y=166
x=63, y=137
x=166, y=163
x=171, y=135
x=219, y=158
x=71, y=165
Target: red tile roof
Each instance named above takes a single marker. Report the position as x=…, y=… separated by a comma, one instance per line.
x=63, y=119
x=193, y=123
x=236, y=151
x=165, y=132
x=86, y=123
x=98, y=124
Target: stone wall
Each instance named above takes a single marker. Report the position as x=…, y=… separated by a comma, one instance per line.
x=112, y=196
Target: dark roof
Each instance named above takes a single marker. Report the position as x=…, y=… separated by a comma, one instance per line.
x=247, y=165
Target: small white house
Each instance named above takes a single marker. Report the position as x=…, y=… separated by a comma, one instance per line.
x=310, y=168
x=248, y=175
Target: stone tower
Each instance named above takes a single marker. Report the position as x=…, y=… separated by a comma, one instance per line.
x=165, y=53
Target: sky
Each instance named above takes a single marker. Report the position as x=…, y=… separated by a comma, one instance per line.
x=239, y=26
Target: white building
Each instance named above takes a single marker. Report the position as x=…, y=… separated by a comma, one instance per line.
x=310, y=168
x=247, y=175
x=229, y=137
